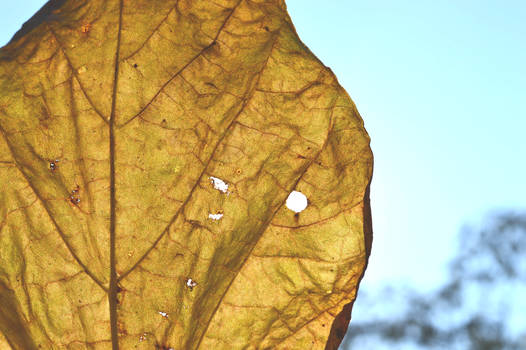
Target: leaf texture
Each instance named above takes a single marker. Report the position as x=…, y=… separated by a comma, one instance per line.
x=115, y=119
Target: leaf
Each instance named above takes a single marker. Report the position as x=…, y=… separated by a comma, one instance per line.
x=117, y=121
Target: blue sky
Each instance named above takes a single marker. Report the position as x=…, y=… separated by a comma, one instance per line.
x=441, y=86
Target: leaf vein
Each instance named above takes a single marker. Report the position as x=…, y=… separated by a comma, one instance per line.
x=48, y=212
x=74, y=72
x=183, y=68
x=265, y=226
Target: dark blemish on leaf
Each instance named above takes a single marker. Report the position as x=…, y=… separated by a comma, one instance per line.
x=296, y=217
x=323, y=325
x=121, y=328
x=195, y=223
x=135, y=65
x=211, y=84
x=74, y=198
x=301, y=157
x=238, y=171
x=53, y=165
x=161, y=345
x=266, y=28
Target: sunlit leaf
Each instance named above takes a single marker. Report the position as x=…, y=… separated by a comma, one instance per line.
x=147, y=150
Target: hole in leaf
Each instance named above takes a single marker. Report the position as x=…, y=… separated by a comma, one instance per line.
x=163, y=314
x=190, y=283
x=217, y=216
x=219, y=184
x=297, y=201
x=74, y=198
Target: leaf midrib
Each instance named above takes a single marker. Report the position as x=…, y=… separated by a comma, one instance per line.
x=112, y=294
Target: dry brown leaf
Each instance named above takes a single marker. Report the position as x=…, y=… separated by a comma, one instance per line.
x=118, y=119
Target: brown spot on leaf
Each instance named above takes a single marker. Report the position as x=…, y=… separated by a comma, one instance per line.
x=85, y=28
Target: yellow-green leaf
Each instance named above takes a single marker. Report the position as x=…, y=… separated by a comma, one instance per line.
x=147, y=151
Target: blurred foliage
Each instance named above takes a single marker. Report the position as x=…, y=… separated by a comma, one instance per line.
x=479, y=307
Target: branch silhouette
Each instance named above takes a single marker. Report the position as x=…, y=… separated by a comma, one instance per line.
x=472, y=310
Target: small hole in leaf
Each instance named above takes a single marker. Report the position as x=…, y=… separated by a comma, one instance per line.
x=216, y=216
x=163, y=314
x=297, y=201
x=190, y=283
x=219, y=184
x=74, y=198
x=53, y=165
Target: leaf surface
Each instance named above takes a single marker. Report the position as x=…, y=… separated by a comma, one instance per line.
x=117, y=120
